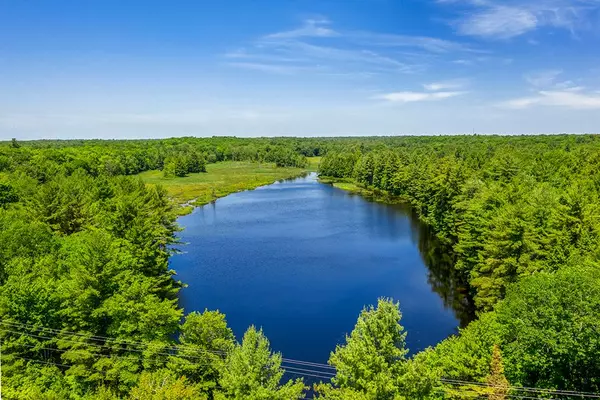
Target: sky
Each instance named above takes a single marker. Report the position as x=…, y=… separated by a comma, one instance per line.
x=149, y=69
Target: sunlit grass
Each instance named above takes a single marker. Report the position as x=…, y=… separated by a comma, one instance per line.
x=220, y=180
x=313, y=163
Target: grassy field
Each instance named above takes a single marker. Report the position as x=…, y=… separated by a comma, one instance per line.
x=219, y=180
x=313, y=163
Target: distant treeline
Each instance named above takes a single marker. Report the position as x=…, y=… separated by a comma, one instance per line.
x=177, y=156
x=88, y=305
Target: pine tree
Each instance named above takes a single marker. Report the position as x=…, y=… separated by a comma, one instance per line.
x=496, y=380
x=373, y=359
x=252, y=372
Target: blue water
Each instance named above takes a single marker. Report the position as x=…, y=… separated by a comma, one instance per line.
x=300, y=259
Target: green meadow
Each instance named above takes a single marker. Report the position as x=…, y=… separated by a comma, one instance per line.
x=220, y=179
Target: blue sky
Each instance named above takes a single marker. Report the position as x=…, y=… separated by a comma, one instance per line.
x=132, y=69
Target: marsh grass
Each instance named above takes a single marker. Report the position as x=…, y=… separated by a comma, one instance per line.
x=219, y=180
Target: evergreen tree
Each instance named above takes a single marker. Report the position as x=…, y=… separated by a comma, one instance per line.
x=373, y=359
x=496, y=380
x=252, y=372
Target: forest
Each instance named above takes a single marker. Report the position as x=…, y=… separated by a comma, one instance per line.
x=88, y=304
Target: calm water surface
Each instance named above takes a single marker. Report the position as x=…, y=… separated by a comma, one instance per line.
x=300, y=259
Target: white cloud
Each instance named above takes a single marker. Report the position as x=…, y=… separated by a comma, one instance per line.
x=574, y=99
x=340, y=53
x=280, y=69
x=495, y=19
x=543, y=79
x=310, y=28
x=462, y=61
x=498, y=22
x=551, y=92
x=409, y=97
x=448, y=85
x=429, y=44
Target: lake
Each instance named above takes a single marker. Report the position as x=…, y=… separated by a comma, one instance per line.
x=301, y=259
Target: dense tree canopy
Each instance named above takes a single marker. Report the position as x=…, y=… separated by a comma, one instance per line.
x=521, y=215
x=89, y=310
x=88, y=305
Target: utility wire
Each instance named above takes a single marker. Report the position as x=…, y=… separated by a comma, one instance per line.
x=286, y=368
x=300, y=370
x=140, y=344
x=95, y=345
x=308, y=368
x=525, y=389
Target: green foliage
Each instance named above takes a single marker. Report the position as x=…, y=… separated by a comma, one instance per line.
x=521, y=214
x=550, y=330
x=546, y=328
x=496, y=379
x=175, y=166
x=208, y=330
x=208, y=335
x=501, y=203
x=85, y=254
x=195, y=163
x=373, y=359
x=252, y=372
x=84, y=251
x=164, y=385
x=7, y=195
x=88, y=305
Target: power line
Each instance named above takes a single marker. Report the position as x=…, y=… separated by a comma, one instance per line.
x=525, y=389
x=44, y=362
x=84, y=336
x=286, y=368
x=300, y=370
x=306, y=368
x=106, y=339
x=94, y=345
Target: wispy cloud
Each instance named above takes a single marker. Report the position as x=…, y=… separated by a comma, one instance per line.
x=410, y=97
x=543, y=78
x=495, y=19
x=565, y=98
x=339, y=52
x=429, y=44
x=310, y=28
x=447, y=85
x=549, y=91
x=462, y=61
x=280, y=69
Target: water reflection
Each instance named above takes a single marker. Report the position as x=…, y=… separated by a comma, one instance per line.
x=444, y=279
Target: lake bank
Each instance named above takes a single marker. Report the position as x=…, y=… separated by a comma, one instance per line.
x=301, y=258
x=219, y=180
x=441, y=261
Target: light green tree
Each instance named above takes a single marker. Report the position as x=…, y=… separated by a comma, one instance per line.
x=206, y=340
x=164, y=385
x=372, y=361
x=252, y=372
x=496, y=380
